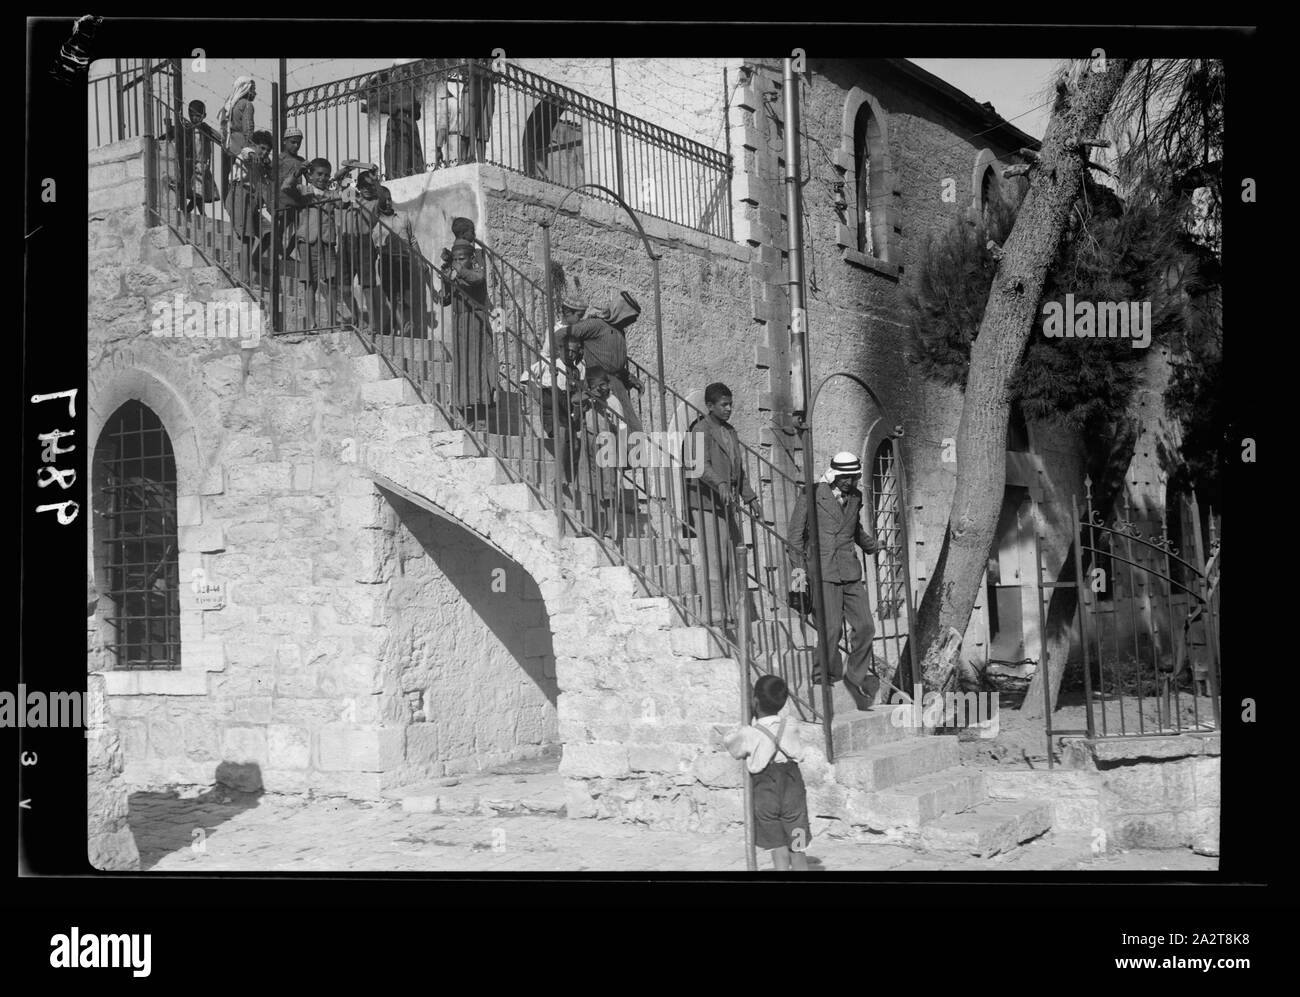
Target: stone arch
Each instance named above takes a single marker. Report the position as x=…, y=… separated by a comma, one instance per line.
x=863, y=118
x=127, y=381
x=467, y=666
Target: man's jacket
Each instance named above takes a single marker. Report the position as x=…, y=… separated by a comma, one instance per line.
x=604, y=344
x=839, y=531
x=722, y=462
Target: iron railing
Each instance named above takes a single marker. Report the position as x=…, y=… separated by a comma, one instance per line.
x=117, y=101
x=435, y=113
x=655, y=521
x=1160, y=610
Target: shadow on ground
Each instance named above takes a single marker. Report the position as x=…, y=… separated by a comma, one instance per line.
x=165, y=822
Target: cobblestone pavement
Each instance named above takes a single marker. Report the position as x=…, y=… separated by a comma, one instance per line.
x=231, y=832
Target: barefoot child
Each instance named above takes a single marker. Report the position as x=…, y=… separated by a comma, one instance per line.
x=773, y=752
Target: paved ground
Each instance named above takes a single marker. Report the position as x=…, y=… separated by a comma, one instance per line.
x=220, y=831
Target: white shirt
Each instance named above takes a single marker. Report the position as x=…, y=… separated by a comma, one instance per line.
x=758, y=748
x=542, y=372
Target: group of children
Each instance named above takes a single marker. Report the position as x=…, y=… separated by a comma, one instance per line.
x=338, y=226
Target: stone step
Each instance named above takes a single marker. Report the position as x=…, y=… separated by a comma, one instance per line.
x=895, y=762
x=181, y=256
x=210, y=278
x=542, y=521
x=228, y=294
x=676, y=579
x=407, y=420
x=989, y=828
x=452, y=443
x=372, y=367
x=484, y=472
x=652, y=612
x=161, y=237
x=383, y=394
x=492, y=794
x=697, y=642
x=518, y=497
x=660, y=550
x=413, y=349
x=858, y=730
x=917, y=802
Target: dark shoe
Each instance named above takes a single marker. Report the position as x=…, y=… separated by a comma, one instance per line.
x=860, y=698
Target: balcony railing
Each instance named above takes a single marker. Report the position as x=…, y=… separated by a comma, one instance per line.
x=435, y=113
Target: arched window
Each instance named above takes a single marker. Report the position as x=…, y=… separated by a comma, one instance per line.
x=135, y=531
x=862, y=142
x=988, y=189
x=887, y=511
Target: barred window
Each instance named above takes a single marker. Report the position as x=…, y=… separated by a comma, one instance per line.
x=136, y=537
x=887, y=511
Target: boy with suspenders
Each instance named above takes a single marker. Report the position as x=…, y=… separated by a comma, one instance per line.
x=773, y=754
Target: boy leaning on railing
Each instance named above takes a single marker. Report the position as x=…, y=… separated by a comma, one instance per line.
x=771, y=748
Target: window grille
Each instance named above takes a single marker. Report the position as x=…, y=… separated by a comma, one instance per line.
x=136, y=523
x=887, y=509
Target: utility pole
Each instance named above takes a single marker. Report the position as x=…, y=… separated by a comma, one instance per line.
x=801, y=382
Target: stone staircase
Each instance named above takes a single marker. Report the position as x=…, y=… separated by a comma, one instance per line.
x=897, y=784
x=646, y=696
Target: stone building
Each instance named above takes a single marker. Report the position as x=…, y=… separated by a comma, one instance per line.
x=343, y=594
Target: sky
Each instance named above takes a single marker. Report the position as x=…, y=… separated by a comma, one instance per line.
x=1014, y=87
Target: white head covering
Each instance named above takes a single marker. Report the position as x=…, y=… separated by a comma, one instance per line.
x=243, y=84
x=842, y=463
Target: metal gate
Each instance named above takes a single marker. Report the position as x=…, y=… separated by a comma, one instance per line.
x=1148, y=617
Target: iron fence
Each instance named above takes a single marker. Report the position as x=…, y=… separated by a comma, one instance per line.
x=1148, y=626
x=117, y=101
x=436, y=113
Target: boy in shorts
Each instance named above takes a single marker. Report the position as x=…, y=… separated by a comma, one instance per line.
x=773, y=753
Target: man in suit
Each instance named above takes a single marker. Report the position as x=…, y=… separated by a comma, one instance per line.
x=839, y=532
x=715, y=496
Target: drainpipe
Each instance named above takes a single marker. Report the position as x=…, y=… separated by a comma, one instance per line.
x=801, y=383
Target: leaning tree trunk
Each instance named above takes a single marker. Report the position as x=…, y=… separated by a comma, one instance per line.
x=1009, y=318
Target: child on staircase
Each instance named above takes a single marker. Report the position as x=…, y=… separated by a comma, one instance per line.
x=771, y=747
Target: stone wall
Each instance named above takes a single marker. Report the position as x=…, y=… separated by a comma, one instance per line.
x=109, y=842
x=279, y=687
x=469, y=663
x=705, y=286
x=1135, y=792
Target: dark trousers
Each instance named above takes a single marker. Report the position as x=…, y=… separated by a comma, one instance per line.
x=718, y=529
x=846, y=602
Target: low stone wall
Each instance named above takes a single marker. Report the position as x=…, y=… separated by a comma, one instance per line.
x=1148, y=792
x=1075, y=794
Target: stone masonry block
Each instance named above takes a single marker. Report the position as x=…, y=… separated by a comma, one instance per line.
x=288, y=746
x=348, y=748
x=214, y=481
x=189, y=510
x=205, y=656
x=595, y=761
x=244, y=745
x=210, y=538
